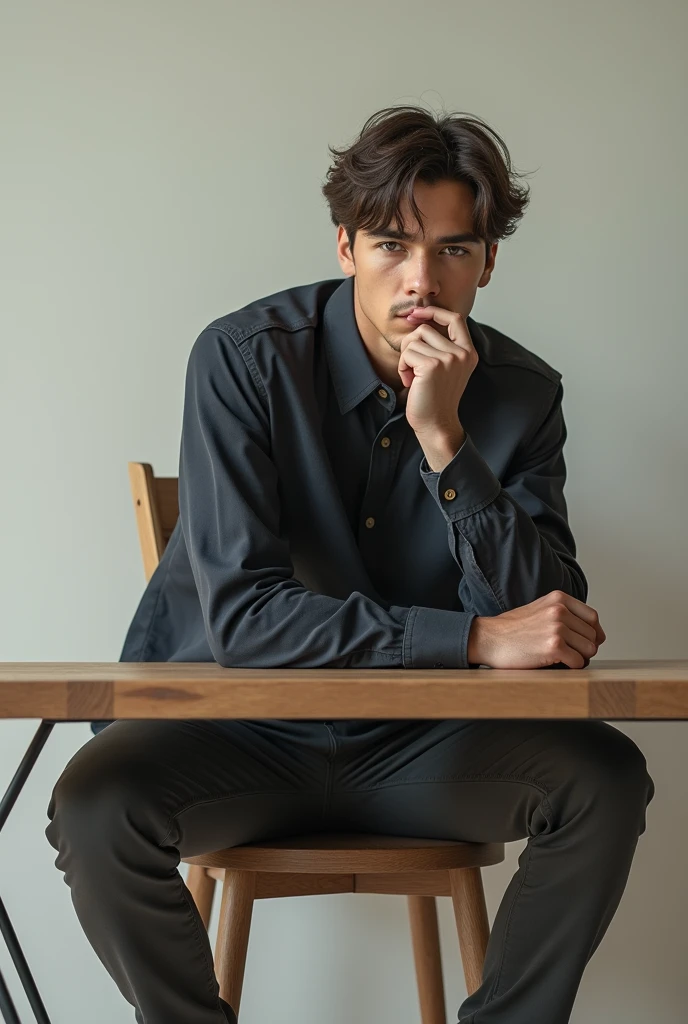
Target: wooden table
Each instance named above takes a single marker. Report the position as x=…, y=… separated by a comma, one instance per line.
x=82, y=691
x=75, y=691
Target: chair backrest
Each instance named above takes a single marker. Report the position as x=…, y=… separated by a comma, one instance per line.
x=156, y=505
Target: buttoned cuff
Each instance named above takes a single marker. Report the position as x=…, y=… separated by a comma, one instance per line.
x=436, y=638
x=465, y=485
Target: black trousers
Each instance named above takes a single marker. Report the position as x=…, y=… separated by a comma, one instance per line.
x=141, y=794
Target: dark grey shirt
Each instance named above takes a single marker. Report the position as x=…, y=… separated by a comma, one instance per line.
x=311, y=529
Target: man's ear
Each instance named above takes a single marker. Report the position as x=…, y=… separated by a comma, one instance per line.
x=489, y=266
x=345, y=252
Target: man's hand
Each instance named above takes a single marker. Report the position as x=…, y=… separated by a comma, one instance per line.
x=555, y=628
x=436, y=370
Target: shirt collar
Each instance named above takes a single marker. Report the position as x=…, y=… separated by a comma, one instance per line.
x=352, y=373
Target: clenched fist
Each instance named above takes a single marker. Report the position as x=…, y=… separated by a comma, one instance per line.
x=555, y=628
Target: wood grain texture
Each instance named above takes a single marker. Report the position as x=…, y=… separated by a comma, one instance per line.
x=352, y=854
x=80, y=691
x=87, y=698
x=272, y=884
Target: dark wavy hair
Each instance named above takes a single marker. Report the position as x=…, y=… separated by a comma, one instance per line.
x=398, y=145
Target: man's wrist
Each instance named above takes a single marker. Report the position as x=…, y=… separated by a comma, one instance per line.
x=478, y=649
x=441, y=447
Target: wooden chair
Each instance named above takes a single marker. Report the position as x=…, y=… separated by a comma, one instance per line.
x=419, y=869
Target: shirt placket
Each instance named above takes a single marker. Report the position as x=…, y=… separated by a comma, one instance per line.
x=384, y=456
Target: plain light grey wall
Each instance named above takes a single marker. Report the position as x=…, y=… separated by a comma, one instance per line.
x=161, y=165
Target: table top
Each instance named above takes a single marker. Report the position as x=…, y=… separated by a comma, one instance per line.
x=80, y=691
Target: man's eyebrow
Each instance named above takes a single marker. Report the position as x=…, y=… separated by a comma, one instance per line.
x=403, y=236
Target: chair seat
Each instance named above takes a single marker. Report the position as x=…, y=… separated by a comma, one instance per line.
x=355, y=852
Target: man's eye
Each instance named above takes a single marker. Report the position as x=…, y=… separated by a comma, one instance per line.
x=459, y=247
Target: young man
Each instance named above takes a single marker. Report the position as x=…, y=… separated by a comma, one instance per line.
x=368, y=478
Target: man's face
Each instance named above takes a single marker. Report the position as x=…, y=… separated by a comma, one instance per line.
x=394, y=274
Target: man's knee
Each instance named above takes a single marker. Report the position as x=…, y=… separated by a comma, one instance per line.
x=629, y=763
x=613, y=769
x=97, y=798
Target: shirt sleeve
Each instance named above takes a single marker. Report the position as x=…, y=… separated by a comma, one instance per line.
x=511, y=538
x=256, y=614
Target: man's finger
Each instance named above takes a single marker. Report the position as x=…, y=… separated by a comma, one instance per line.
x=586, y=613
x=417, y=354
x=428, y=334
x=449, y=318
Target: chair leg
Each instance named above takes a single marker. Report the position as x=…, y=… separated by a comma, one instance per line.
x=238, y=893
x=470, y=911
x=202, y=887
x=426, y=954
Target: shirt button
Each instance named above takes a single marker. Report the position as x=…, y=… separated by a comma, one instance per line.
x=385, y=442
x=382, y=393
x=450, y=494
x=370, y=522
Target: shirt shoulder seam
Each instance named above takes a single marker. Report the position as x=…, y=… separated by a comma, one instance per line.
x=246, y=354
x=243, y=333
x=241, y=337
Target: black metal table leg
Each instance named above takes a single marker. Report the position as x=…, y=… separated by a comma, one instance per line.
x=7, y=1007
x=15, y=787
x=21, y=967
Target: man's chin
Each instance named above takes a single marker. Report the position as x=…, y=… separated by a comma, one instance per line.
x=393, y=342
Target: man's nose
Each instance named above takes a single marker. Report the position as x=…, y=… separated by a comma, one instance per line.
x=421, y=283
